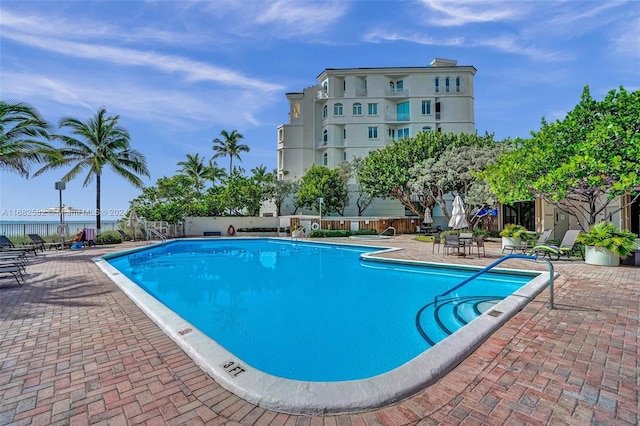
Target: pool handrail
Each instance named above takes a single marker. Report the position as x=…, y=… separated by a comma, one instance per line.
x=502, y=259
x=388, y=229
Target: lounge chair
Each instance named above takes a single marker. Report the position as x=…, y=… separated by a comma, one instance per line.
x=6, y=245
x=565, y=248
x=15, y=270
x=42, y=244
x=522, y=248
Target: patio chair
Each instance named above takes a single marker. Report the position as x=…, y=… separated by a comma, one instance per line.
x=436, y=242
x=478, y=243
x=42, y=244
x=452, y=244
x=522, y=248
x=565, y=248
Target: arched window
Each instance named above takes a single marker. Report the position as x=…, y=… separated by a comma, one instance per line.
x=337, y=109
x=325, y=111
x=357, y=108
x=325, y=159
x=446, y=85
x=457, y=84
x=437, y=82
x=325, y=136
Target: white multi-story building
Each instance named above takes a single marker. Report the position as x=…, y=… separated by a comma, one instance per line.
x=354, y=111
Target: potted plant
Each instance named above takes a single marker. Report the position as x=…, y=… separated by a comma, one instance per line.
x=513, y=235
x=605, y=244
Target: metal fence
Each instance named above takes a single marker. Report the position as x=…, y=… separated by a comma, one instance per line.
x=49, y=229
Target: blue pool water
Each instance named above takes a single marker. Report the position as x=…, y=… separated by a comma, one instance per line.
x=307, y=311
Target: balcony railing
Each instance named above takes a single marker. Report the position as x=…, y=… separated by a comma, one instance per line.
x=396, y=93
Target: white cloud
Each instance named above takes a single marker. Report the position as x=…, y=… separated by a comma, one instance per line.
x=462, y=12
x=192, y=71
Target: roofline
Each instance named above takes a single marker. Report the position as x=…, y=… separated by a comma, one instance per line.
x=396, y=68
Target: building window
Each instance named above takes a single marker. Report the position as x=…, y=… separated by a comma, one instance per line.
x=402, y=111
x=426, y=107
x=373, y=132
x=399, y=86
x=457, y=84
x=391, y=133
x=357, y=108
x=325, y=112
x=344, y=134
x=296, y=110
x=337, y=109
x=426, y=129
x=325, y=137
x=403, y=133
x=437, y=82
x=372, y=109
x=446, y=85
x=344, y=156
x=325, y=159
x=280, y=135
x=325, y=88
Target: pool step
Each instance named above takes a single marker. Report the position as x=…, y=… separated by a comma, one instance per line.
x=436, y=321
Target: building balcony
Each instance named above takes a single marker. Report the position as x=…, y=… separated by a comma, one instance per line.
x=396, y=93
x=394, y=118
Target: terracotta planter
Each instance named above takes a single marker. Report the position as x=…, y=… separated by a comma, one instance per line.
x=600, y=257
x=511, y=241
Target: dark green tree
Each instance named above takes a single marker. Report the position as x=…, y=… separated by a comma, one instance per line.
x=325, y=183
x=580, y=163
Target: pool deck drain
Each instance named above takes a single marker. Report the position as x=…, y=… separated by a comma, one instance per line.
x=75, y=350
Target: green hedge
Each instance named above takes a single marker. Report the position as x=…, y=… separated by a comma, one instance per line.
x=258, y=230
x=109, y=237
x=332, y=233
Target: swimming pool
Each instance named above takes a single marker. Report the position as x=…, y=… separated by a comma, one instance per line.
x=252, y=295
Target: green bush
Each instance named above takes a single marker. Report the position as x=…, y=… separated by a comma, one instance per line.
x=109, y=237
x=333, y=233
x=258, y=230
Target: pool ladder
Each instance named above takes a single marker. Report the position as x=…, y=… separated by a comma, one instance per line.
x=388, y=229
x=439, y=303
x=158, y=234
x=497, y=262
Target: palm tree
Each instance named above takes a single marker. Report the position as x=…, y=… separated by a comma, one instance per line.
x=20, y=127
x=194, y=169
x=101, y=143
x=230, y=146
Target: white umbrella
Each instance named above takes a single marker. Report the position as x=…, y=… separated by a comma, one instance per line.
x=132, y=222
x=427, y=216
x=458, y=217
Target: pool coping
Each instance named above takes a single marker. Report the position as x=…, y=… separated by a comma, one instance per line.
x=316, y=398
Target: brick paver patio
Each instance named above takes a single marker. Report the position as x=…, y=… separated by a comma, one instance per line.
x=75, y=350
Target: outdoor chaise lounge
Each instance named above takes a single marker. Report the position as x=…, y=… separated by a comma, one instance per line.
x=522, y=248
x=14, y=270
x=42, y=244
x=6, y=245
x=565, y=248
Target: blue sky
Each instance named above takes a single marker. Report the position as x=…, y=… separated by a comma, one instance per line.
x=179, y=72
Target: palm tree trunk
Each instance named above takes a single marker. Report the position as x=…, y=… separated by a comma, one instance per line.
x=98, y=218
